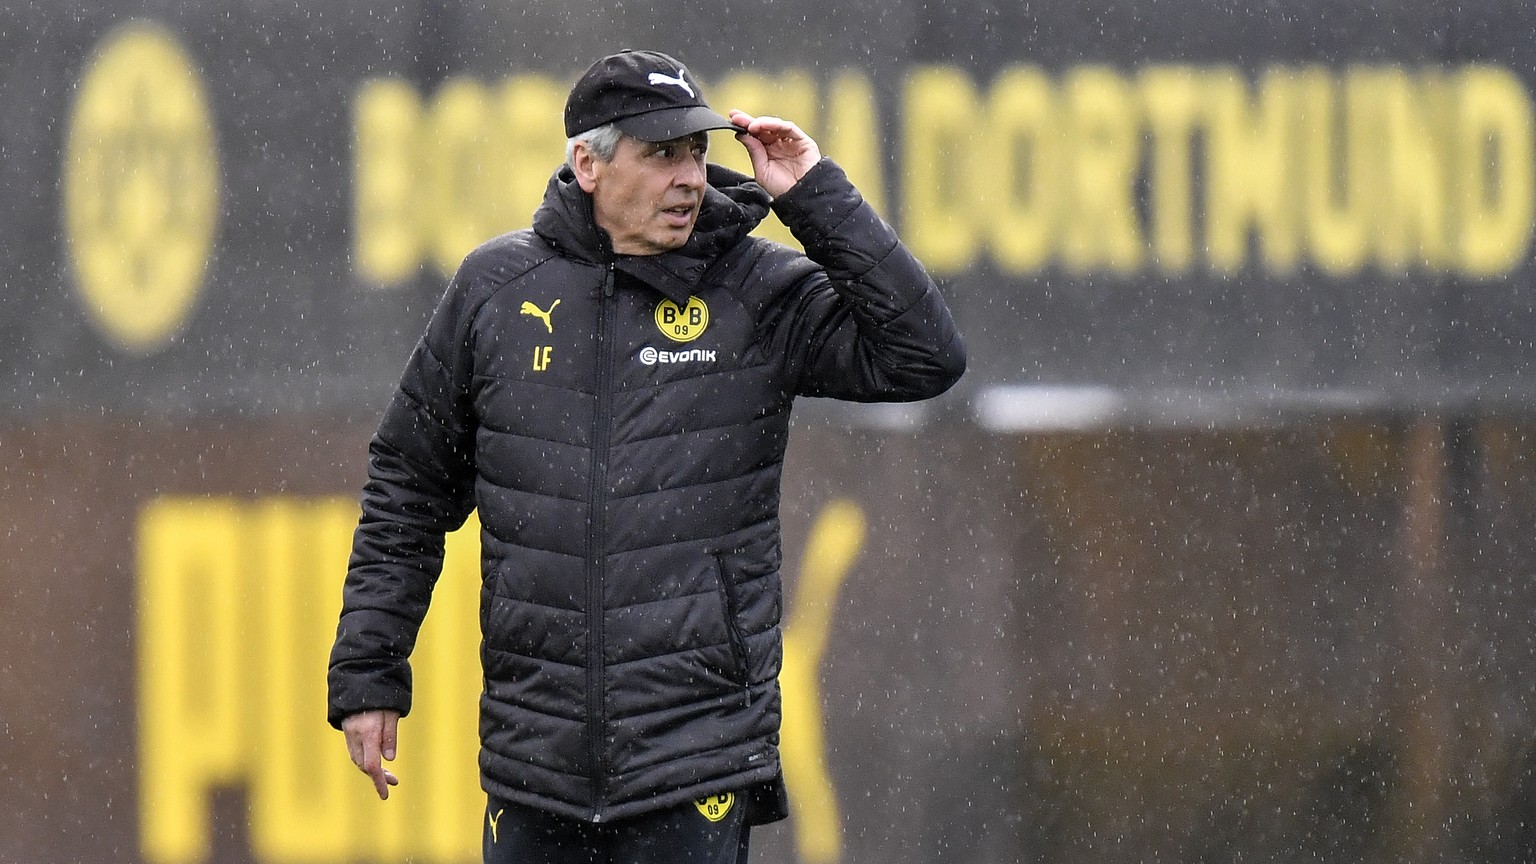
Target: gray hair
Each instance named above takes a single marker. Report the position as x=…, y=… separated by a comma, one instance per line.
x=602, y=141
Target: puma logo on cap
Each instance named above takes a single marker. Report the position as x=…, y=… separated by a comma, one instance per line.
x=657, y=79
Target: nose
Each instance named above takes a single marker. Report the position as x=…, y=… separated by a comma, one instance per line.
x=691, y=174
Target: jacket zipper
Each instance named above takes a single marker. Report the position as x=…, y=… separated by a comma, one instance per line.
x=597, y=530
x=733, y=632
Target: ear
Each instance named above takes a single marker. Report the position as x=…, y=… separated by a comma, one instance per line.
x=586, y=165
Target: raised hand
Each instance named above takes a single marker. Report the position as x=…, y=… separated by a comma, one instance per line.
x=780, y=151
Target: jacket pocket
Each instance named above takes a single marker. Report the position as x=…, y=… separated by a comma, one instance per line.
x=732, y=610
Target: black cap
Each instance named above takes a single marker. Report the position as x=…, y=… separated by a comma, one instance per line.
x=647, y=94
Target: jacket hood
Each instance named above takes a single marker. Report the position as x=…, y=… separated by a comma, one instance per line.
x=734, y=204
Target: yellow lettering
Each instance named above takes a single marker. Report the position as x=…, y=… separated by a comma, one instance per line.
x=1172, y=96
x=1101, y=230
x=852, y=134
x=1377, y=165
x=193, y=660
x=445, y=778
x=941, y=111
x=1024, y=152
x=1493, y=171
x=1414, y=203
x=531, y=146
x=433, y=816
x=237, y=610
x=388, y=238
x=301, y=809
x=458, y=172
x=1338, y=146
x=1249, y=179
x=834, y=544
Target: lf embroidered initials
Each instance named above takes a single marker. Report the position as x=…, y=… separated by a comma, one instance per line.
x=541, y=355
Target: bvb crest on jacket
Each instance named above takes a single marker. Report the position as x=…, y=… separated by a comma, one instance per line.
x=682, y=323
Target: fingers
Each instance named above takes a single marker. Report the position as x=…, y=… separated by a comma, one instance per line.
x=383, y=778
x=755, y=149
x=766, y=129
x=387, y=739
x=371, y=764
x=371, y=741
x=354, y=744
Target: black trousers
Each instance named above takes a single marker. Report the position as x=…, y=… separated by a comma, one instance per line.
x=711, y=831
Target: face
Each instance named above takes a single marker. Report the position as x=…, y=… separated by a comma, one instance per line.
x=648, y=196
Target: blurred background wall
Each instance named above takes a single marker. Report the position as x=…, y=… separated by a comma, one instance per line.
x=1220, y=551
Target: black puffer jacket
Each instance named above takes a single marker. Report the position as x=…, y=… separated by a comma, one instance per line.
x=621, y=424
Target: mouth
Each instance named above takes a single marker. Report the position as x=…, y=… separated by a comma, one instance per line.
x=679, y=216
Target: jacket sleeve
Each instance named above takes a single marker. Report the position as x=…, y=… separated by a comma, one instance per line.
x=420, y=486
x=868, y=321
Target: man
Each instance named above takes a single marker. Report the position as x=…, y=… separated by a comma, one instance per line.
x=612, y=390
